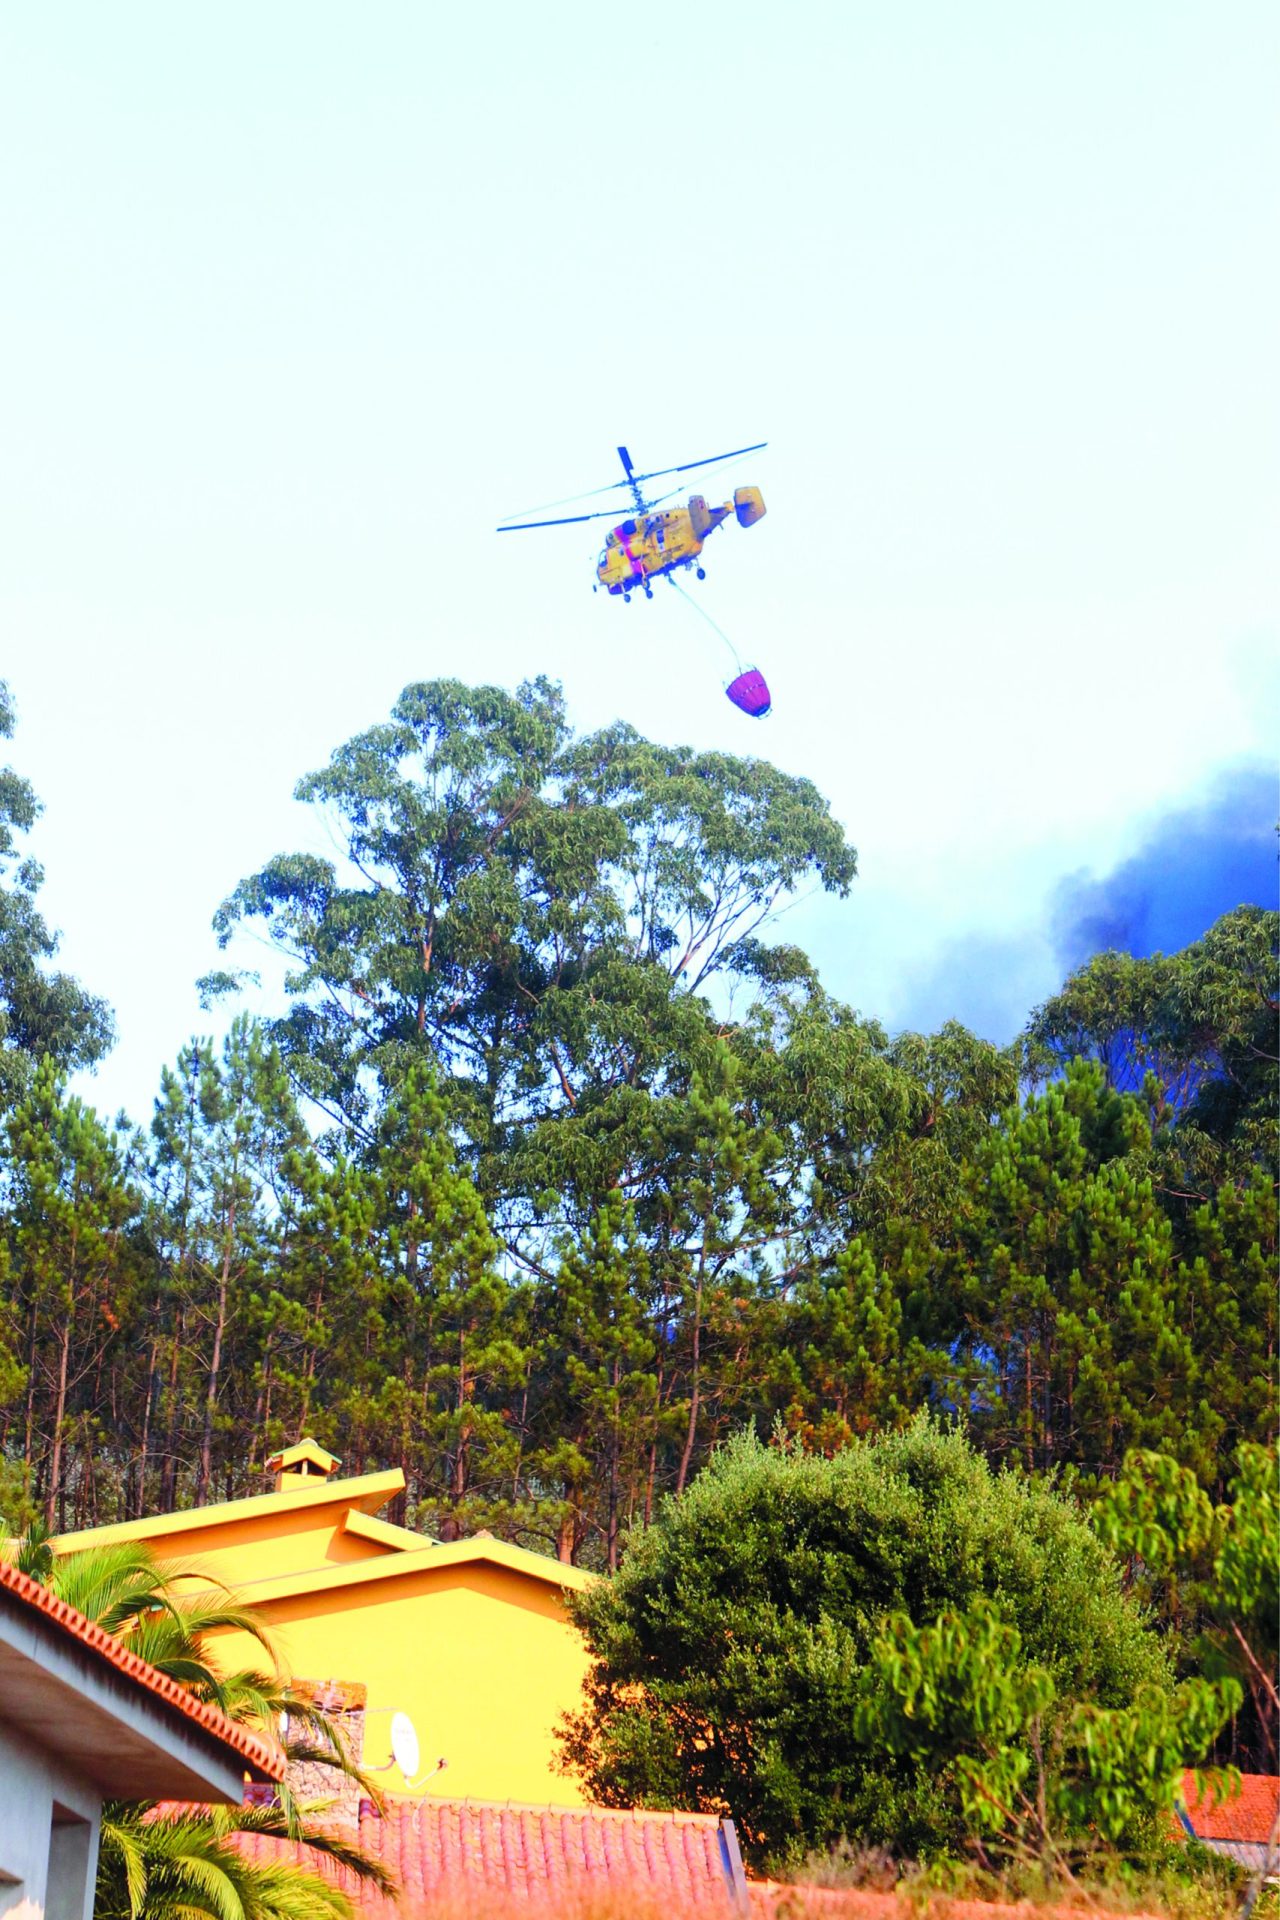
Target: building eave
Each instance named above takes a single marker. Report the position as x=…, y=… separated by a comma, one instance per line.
x=435, y=1560
x=384, y=1533
x=68, y=1685
x=367, y=1494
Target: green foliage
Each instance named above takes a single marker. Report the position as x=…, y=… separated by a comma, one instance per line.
x=186, y=1865
x=223, y=1127
x=529, y=907
x=1194, y=1033
x=41, y=1013
x=958, y=1694
x=69, y=1257
x=884, y=1643
x=596, y=1359
x=461, y=1327
x=608, y=1176
x=1061, y=1284
x=1212, y=1572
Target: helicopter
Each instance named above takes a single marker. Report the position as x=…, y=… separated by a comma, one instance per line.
x=648, y=543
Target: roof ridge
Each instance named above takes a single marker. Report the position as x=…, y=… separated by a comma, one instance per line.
x=399, y=1804
x=307, y=1493
x=259, y=1752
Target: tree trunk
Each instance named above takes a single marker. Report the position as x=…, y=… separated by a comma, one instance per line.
x=567, y=1537
x=615, y=1449
x=60, y=1407
x=215, y=1367
x=695, y=1390
x=169, y=1466
x=28, y=1442
x=139, y=1503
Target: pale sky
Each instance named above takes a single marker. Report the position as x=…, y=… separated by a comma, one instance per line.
x=300, y=300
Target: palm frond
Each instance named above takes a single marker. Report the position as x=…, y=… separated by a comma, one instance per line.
x=29, y=1552
x=188, y=1867
x=275, y=1823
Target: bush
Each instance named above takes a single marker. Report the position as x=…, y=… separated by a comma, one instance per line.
x=883, y=1646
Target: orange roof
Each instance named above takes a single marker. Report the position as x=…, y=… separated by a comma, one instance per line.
x=260, y=1756
x=539, y=1857
x=1248, y=1816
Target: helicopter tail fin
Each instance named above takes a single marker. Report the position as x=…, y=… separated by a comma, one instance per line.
x=748, y=504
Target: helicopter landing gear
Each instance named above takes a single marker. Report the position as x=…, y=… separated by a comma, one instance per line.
x=702, y=573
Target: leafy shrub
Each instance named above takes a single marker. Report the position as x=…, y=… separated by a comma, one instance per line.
x=891, y=1645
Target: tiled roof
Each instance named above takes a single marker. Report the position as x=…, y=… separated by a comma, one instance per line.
x=535, y=1857
x=261, y=1756
x=1248, y=1816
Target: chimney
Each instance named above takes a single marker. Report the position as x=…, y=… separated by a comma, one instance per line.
x=302, y=1465
x=344, y=1701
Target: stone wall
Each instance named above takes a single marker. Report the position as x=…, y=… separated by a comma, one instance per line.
x=344, y=1701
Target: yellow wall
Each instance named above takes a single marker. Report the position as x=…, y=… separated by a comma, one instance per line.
x=247, y=1552
x=480, y=1655
x=482, y=1660
x=272, y=1534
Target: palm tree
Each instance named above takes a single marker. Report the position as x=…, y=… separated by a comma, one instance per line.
x=184, y=1864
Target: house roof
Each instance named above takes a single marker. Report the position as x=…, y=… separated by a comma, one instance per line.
x=437, y=1557
x=533, y=1857
x=1247, y=1817
x=368, y=1492
x=308, y=1452
x=385, y=1533
x=252, y=1753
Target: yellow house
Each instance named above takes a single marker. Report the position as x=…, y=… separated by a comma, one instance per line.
x=469, y=1639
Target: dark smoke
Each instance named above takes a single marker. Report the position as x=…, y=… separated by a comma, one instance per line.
x=1195, y=863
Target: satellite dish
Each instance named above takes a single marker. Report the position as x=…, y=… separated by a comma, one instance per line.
x=404, y=1745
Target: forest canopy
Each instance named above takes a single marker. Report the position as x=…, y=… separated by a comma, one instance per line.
x=557, y=1169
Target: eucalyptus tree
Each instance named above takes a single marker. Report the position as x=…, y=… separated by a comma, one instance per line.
x=539, y=914
x=42, y=1012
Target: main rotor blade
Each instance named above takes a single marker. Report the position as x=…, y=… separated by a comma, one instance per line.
x=568, y=520
x=571, y=499
x=625, y=486
x=708, y=462
x=572, y=519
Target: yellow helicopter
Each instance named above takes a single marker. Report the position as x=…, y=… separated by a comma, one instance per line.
x=649, y=543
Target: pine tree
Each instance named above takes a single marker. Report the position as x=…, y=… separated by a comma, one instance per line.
x=461, y=1325
x=222, y=1128
x=598, y=1387
x=71, y=1270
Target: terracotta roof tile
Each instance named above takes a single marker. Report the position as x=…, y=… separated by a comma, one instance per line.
x=536, y=1857
x=1248, y=1816
x=261, y=1756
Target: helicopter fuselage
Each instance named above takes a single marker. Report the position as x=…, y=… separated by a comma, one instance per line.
x=659, y=540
